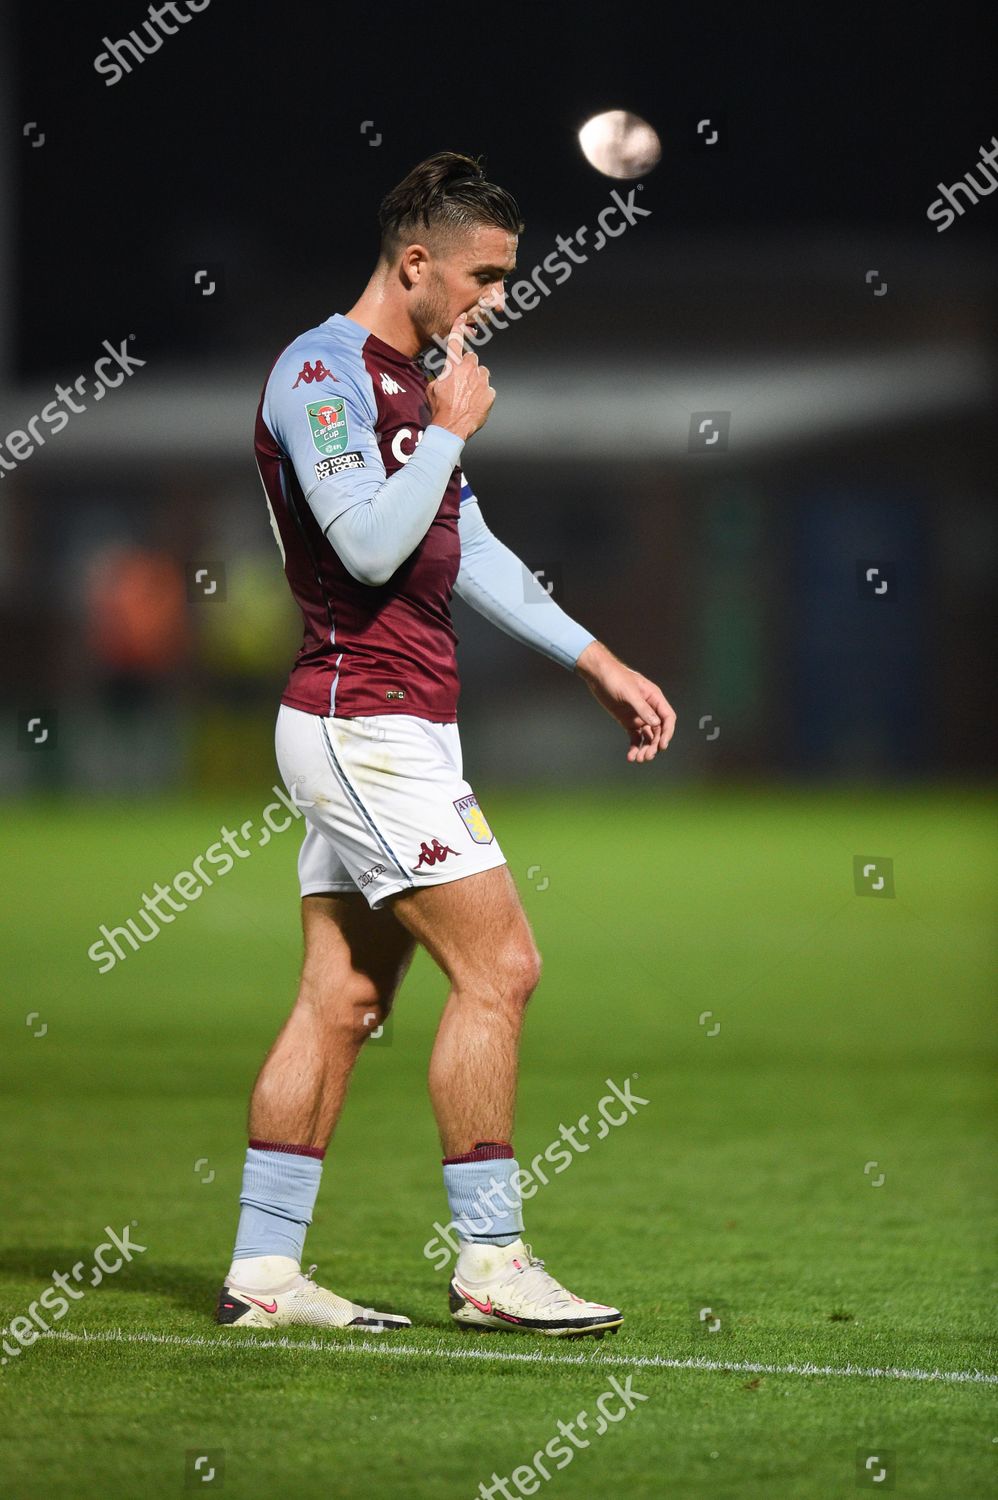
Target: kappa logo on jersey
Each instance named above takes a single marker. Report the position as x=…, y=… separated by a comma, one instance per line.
x=433, y=854
x=474, y=819
x=391, y=387
x=327, y=422
x=309, y=373
x=327, y=467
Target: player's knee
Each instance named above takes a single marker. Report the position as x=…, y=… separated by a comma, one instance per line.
x=350, y=1009
x=529, y=969
x=355, y=1021
x=515, y=972
x=368, y=1019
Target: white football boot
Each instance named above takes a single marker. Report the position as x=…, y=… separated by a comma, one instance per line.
x=271, y=1292
x=506, y=1286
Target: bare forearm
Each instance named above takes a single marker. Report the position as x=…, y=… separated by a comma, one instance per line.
x=594, y=660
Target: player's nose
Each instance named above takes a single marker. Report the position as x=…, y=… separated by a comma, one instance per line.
x=494, y=299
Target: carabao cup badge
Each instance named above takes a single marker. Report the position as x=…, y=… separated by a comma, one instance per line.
x=327, y=420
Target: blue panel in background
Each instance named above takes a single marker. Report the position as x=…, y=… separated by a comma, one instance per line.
x=856, y=649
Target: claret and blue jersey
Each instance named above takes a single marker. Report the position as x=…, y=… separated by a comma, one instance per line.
x=349, y=455
x=341, y=412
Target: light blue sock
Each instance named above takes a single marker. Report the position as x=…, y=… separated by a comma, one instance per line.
x=278, y=1195
x=485, y=1204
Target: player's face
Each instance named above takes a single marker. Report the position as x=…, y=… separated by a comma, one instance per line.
x=467, y=277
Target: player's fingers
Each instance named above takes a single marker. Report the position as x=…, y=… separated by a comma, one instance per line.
x=668, y=724
x=666, y=714
x=660, y=738
x=644, y=713
x=455, y=340
x=643, y=744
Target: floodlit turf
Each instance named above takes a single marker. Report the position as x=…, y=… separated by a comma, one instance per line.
x=817, y=1171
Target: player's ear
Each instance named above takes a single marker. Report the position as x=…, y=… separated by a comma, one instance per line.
x=414, y=264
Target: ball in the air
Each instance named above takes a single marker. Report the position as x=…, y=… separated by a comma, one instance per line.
x=620, y=144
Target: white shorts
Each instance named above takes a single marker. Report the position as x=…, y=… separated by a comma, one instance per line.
x=386, y=804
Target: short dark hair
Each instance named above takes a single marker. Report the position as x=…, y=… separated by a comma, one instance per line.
x=447, y=192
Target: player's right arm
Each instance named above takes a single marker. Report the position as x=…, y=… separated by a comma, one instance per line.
x=372, y=521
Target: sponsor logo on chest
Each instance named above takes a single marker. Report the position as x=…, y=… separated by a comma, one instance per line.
x=403, y=415
x=405, y=442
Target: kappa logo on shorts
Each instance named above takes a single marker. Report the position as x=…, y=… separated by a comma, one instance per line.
x=433, y=853
x=370, y=875
x=474, y=819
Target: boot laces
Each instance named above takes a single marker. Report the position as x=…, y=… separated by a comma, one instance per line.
x=312, y=1288
x=539, y=1286
x=309, y=1284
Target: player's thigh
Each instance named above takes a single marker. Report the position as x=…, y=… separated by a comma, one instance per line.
x=475, y=929
x=353, y=956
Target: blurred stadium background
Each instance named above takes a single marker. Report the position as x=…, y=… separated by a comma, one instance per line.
x=787, y=276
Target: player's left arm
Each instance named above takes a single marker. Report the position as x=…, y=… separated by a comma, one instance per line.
x=494, y=581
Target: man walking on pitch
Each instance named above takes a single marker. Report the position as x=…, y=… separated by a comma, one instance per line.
x=360, y=455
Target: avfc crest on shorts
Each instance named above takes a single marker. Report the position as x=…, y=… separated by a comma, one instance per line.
x=474, y=819
x=327, y=420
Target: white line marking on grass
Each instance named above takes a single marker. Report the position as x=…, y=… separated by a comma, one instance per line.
x=389, y=1348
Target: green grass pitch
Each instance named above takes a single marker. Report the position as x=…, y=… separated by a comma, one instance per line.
x=814, y=1163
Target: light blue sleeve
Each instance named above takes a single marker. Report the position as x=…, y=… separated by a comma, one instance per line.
x=327, y=430
x=494, y=581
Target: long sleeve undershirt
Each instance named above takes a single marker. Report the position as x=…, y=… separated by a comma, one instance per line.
x=375, y=536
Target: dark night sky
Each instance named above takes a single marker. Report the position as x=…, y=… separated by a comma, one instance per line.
x=239, y=141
